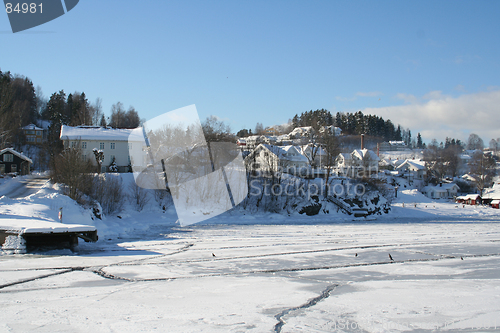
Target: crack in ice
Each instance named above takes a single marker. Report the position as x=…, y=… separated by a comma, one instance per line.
x=324, y=294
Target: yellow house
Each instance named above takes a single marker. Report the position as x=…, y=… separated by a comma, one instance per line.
x=33, y=134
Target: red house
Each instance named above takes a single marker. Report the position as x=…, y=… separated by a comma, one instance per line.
x=469, y=199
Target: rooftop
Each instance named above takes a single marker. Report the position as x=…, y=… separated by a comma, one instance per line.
x=99, y=133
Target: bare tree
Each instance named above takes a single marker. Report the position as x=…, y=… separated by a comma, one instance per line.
x=495, y=144
x=331, y=146
x=108, y=191
x=124, y=119
x=215, y=130
x=483, y=167
x=259, y=129
x=72, y=170
x=475, y=142
x=117, y=119
x=138, y=196
x=451, y=159
x=96, y=113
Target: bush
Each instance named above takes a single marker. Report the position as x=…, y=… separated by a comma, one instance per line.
x=70, y=169
x=108, y=191
x=138, y=196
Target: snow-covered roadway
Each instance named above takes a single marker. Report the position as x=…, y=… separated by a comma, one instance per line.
x=24, y=186
x=264, y=278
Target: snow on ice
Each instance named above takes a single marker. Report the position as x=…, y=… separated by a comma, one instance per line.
x=260, y=272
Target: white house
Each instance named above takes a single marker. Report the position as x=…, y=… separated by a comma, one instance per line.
x=413, y=170
x=276, y=158
x=307, y=151
x=305, y=131
x=116, y=144
x=343, y=163
x=360, y=162
x=441, y=191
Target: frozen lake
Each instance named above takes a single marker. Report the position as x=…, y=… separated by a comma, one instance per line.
x=264, y=278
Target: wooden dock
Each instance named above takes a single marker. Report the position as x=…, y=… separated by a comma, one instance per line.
x=40, y=233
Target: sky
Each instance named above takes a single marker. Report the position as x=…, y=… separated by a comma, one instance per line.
x=433, y=67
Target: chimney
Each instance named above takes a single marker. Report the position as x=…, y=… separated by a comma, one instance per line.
x=362, y=141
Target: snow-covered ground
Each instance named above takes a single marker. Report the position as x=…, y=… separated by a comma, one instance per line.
x=263, y=278
x=261, y=273
x=402, y=154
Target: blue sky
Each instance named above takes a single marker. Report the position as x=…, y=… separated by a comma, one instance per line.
x=431, y=66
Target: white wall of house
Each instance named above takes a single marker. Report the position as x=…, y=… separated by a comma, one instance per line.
x=447, y=191
x=119, y=144
x=274, y=158
x=114, y=148
x=357, y=163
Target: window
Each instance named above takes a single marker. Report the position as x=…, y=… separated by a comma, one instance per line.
x=112, y=145
x=13, y=168
x=8, y=158
x=112, y=158
x=73, y=144
x=101, y=145
x=84, y=157
x=30, y=138
x=38, y=132
x=84, y=145
x=38, y=140
x=130, y=145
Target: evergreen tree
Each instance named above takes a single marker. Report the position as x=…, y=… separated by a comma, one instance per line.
x=419, y=141
x=102, y=122
x=398, y=134
x=359, y=119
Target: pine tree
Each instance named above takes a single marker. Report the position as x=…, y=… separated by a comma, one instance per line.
x=102, y=122
x=398, y=135
x=419, y=141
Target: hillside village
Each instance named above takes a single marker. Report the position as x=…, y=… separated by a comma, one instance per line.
x=306, y=155
x=318, y=162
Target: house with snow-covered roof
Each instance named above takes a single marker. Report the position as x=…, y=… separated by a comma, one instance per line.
x=308, y=150
x=12, y=161
x=359, y=163
x=413, y=170
x=118, y=145
x=469, y=199
x=441, y=191
x=393, y=146
x=343, y=163
x=34, y=135
x=270, y=158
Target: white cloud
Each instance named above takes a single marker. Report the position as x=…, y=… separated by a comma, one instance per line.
x=436, y=94
x=407, y=98
x=369, y=94
x=435, y=115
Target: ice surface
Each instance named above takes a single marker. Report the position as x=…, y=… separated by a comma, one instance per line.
x=259, y=273
x=175, y=283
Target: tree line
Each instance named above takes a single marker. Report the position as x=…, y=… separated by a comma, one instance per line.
x=355, y=124
x=22, y=104
x=18, y=106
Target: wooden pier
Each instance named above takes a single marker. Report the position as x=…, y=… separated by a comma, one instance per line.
x=38, y=233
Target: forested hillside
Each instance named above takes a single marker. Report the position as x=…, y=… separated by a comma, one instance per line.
x=355, y=124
